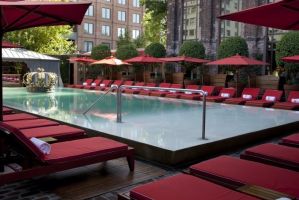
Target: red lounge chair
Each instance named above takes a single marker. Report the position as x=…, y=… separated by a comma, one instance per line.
x=18, y=116
x=104, y=84
x=292, y=102
x=93, y=85
x=63, y=155
x=134, y=90
x=31, y=123
x=60, y=131
x=115, y=83
x=268, y=99
x=196, y=96
x=86, y=83
x=163, y=93
x=147, y=91
x=273, y=154
x=291, y=140
x=248, y=94
x=174, y=94
x=6, y=110
x=129, y=83
x=224, y=93
x=234, y=172
x=184, y=187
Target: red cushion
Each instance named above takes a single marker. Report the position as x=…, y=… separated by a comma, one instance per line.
x=254, y=92
x=184, y=187
x=275, y=93
x=82, y=148
x=247, y=172
x=191, y=96
x=215, y=99
x=235, y=101
x=292, y=139
x=293, y=95
x=52, y=131
x=18, y=116
x=278, y=153
x=286, y=105
x=259, y=103
x=173, y=95
x=23, y=124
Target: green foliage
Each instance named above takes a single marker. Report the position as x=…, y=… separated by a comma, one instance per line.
x=140, y=42
x=154, y=20
x=100, y=52
x=48, y=40
x=193, y=49
x=288, y=46
x=124, y=39
x=126, y=51
x=232, y=46
x=156, y=50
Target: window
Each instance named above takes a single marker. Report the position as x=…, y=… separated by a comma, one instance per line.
x=121, y=16
x=106, y=13
x=88, y=28
x=123, y=2
x=88, y=46
x=121, y=31
x=108, y=0
x=89, y=11
x=227, y=33
x=136, y=3
x=136, y=18
x=106, y=30
x=135, y=34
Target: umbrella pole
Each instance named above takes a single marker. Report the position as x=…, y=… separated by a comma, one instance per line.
x=237, y=74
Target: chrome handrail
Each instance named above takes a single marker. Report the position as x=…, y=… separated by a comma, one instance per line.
x=100, y=98
x=203, y=93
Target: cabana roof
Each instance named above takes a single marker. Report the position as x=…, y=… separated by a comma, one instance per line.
x=14, y=54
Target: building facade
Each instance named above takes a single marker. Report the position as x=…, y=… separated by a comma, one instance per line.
x=106, y=20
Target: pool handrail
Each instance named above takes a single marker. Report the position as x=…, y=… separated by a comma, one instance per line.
x=203, y=93
x=113, y=87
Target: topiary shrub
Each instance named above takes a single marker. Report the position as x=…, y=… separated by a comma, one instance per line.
x=156, y=50
x=232, y=46
x=126, y=51
x=193, y=49
x=288, y=46
x=100, y=52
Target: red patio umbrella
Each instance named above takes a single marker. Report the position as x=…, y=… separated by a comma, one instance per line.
x=238, y=62
x=293, y=59
x=282, y=15
x=17, y=15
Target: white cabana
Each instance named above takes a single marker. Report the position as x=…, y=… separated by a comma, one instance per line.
x=33, y=60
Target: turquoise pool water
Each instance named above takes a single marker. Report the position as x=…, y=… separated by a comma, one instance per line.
x=166, y=123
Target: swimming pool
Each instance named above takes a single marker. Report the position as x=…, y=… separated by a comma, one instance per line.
x=165, y=123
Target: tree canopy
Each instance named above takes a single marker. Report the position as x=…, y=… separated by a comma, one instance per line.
x=156, y=50
x=126, y=51
x=100, y=52
x=232, y=46
x=193, y=49
x=49, y=40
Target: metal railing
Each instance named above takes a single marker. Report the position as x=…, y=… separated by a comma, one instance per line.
x=113, y=87
x=122, y=87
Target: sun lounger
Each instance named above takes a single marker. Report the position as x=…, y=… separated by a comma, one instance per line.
x=85, y=83
x=63, y=155
x=18, y=116
x=93, y=85
x=179, y=94
x=162, y=92
x=292, y=102
x=6, y=110
x=269, y=98
x=248, y=94
x=234, y=173
x=224, y=93
x=196, y=96
x=291, y=140
x=115, y=83
x=134, y=90
x=147, y=91
x=184, y=187
x=59, y=131
x=31, y=123
x=104, y=84
x=273, y=154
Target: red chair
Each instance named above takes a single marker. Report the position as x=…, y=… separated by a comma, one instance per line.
x=31, y=123
x=291, y=140
x=225, y=93
x=292, y=102
x=248, y=94
x=147, y=91
x=196, y=96
x=134, y=90
x=164, y=93
x=63, y=155
x=115, y=83
x=273, y=154
x=6, y=110
x=18, y=116
x=104, y=84
x=161, y=92
x=86, y=83
x=93, y=85
x=268, y=99
x=234, y=172
x=184, y=187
